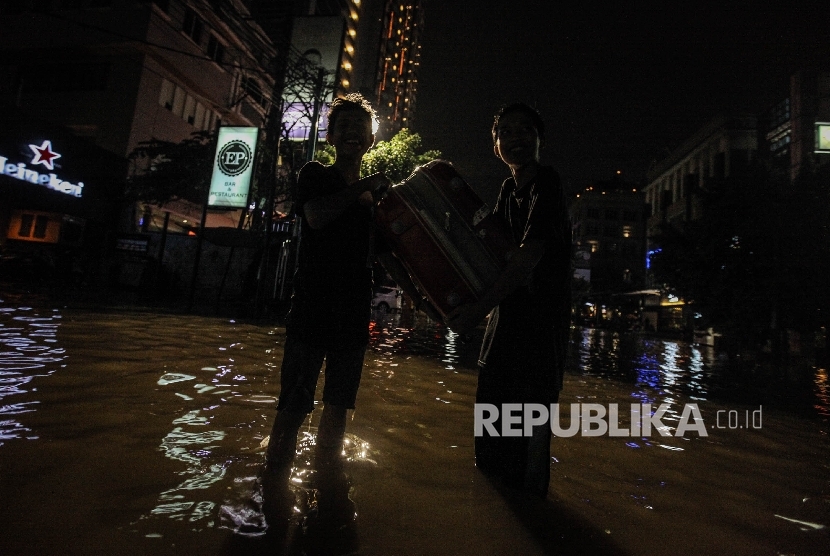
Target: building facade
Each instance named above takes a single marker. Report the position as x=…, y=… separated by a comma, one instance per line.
x=724, y=146
x=794, y=134
x=609, y=237
x=86, y=82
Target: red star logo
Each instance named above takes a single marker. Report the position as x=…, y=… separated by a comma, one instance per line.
x=44, y=155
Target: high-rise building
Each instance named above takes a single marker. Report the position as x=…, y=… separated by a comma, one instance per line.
x=366, y=46
x=388, y=54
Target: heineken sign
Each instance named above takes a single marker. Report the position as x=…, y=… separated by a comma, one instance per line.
x=233, y=167
x=40, y=170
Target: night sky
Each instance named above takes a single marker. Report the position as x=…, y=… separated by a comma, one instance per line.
x=618, y=86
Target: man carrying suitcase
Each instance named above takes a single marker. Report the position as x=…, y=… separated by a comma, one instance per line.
x=523, y=352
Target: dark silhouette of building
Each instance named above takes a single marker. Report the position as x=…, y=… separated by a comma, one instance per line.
x=794, y=134
x=116, y=73
x=610, y=235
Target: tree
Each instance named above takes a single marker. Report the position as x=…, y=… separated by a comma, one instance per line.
x=164, y=170
x=398, y=157
x=755, y=263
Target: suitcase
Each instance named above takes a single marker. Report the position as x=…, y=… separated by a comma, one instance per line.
x=446, y=237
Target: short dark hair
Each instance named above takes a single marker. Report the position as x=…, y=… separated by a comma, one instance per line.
x=525, y=109
x=352, y=101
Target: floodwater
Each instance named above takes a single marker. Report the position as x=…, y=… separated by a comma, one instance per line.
x=125, y=432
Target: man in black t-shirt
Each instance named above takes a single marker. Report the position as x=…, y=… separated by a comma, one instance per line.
x=523, y=353
x=330, y=307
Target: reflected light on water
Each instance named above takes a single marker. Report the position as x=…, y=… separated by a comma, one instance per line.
x=822, y=392
x=29, y=349
x=158, y=421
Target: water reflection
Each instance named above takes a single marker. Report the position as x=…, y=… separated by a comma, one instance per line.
x=415, y=334
x=660, y=369
x=658, y=364
x=28, y=350
x=822, y=392
x=187, y=401
x=216, y=451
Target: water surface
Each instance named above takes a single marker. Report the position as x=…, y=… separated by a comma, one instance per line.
x=137, y=433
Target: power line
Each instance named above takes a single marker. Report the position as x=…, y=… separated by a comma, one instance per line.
x=202, y=57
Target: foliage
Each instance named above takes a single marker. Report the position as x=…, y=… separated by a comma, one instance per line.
x=757, y=258
x=163, y=170
x=398, y=157
x=325, y=154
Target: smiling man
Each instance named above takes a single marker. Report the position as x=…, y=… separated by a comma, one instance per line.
x=331, y=303
x=523, y=352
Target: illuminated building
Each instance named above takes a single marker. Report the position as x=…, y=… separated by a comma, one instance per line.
x=609, y=235
x=609, y=249
x=321, y=42
x=389, y=57
x=795, y=131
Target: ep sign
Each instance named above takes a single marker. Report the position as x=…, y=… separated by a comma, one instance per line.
x=233, y=167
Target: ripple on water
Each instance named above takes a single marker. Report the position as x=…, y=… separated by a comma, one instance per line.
x=28, y=351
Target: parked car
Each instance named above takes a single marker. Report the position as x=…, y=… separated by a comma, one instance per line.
x=387, y=299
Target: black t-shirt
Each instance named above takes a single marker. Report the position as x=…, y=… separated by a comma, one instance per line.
x=528, y=330
x=331, y=303
x=539, y=212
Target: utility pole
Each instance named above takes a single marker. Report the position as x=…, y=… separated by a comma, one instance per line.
x=276, y=19
x=319, y=88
